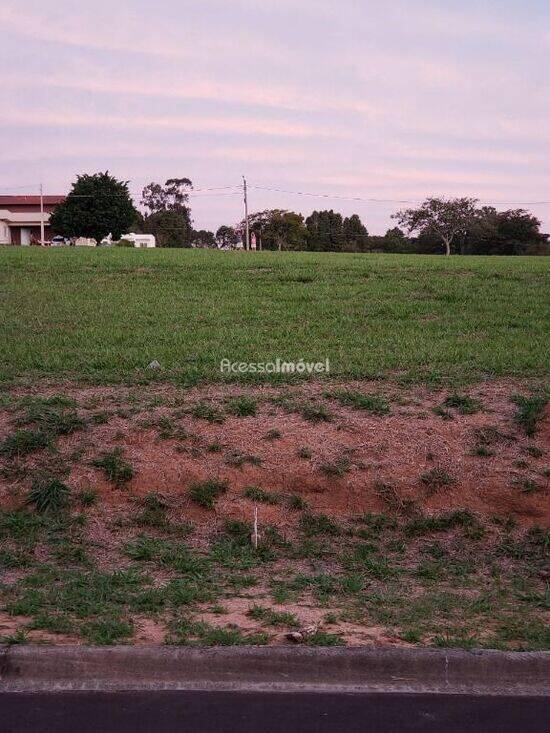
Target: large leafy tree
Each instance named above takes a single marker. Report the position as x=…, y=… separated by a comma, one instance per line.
x=448, y=219
x=325, y=231
x=97, y=205
x=227, y=236
x=169, y=215
x=511, y=232
x=354, y=234
x=277, y=229
x=203, y=239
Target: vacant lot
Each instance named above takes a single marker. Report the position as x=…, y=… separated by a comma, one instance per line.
x=106, y=314
x=403, y=499
x=385, y=515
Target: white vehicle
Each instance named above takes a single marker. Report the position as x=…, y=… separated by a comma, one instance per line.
x=141, y=240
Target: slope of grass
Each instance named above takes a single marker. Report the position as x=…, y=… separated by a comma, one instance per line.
x=106, y=314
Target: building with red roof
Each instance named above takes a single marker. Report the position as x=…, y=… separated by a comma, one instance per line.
x=20, y=218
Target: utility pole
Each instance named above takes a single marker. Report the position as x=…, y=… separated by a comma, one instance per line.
x=41, y=214
x=247, y=228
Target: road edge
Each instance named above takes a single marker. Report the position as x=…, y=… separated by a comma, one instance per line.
x=78, y=668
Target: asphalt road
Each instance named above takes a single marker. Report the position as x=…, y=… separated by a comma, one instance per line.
x=261, y=712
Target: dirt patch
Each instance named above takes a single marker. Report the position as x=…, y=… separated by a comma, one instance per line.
x=337, y=491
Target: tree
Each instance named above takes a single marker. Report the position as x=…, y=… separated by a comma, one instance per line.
x=171, y=228
x=277, y=229
x=512, y=232
x=447, y=218
x=285, y=230
x=169, y=217
x=227, y=237
x=203, y=239
x=354, y=234
x=98, y=204
x=173, y=196
x=325, y=231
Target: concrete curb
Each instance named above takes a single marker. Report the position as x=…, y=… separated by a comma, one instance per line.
x=73, y=668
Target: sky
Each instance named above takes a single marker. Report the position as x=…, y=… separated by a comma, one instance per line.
x=392, y=100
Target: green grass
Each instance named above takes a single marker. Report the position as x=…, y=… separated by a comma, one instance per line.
x=423, y=317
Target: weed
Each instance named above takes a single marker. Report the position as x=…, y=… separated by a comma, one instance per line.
x=448, y=641
x=254, y=493
x=87, y=497
x=482, y=451
x=49, y=495
x=214, y=447
x=19, y=637
x=153, y=512
x=436, y=478
x=526, y=485
x=336, y=468
x=463, y=404
x=394, y=500
x=272, y=434
x=238, y=459
x=23, y=442
x=534, y=451
x=374, y=404
x=411, y=636
x=242, y=406
x=297, y=503
x=270, y=617
x=197, y=633
x=304, y=453
x=441, y=523
x=206, y=492
x=529, y=411
x=207, y=411
x=323, y=638
x=315, y=413
x=107, y=631
x=56, y=623
x=313, y=524
x=115, y=467
x=49, y=420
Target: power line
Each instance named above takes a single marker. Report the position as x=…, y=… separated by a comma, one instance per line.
x=387, y=201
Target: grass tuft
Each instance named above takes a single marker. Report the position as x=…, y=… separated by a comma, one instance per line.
x=49, y=495
x=205, y=493
x=115, y=467
x=23, y=442
x=374, y=404
x=529, y=411
x=242, y=406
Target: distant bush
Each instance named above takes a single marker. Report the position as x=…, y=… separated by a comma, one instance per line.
x=124, y=243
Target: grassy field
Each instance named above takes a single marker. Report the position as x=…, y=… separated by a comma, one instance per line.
x=104, y=315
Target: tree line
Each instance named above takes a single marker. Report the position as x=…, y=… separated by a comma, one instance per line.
x=99, y=204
